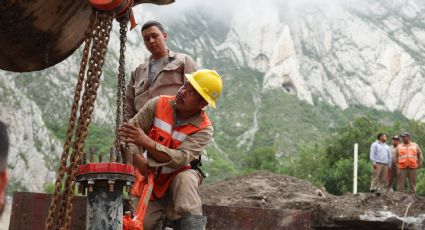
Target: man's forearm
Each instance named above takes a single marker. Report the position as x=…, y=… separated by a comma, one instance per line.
x=159, y=156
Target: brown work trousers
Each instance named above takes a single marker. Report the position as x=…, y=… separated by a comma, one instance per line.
x=182, y=198
x=401, y=179
x=392, y=176
x=379, y=177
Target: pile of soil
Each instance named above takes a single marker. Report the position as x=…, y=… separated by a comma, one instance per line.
x=264, y=189
x=269, y=190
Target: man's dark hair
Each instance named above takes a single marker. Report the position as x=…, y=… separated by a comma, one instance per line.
x=149, y=24
x=4, y=146
x=380, y=135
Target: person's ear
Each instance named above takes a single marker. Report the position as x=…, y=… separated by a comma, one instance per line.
x=165, y=35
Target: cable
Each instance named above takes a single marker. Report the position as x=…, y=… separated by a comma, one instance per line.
x=405, y=214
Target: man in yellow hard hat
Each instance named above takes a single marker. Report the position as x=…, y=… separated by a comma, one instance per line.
x=174, y=130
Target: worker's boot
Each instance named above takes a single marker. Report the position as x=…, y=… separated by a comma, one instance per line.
x=192, y=222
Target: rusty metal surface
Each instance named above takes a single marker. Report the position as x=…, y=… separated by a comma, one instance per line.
x=36, y=34
x=29, y=211
x=224, y=217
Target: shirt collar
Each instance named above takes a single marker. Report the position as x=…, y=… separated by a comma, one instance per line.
x=170, y=58
x=194, y=120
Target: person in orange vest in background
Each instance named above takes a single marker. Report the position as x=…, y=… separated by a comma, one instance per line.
x=392, y=172
x=409, y=159
x=4, y=150
x=174, y=130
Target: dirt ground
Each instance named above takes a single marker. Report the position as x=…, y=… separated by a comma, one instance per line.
x=263, y=189
x=269, y=190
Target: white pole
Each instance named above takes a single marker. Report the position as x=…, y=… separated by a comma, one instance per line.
x=356, y=156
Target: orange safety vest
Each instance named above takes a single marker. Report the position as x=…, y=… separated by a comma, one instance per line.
x=164, y=133
x=408, y=155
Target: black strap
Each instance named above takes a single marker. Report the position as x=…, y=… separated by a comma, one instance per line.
x=196, y=164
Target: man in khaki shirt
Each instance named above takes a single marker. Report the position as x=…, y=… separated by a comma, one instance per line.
x=162, y=74
x=178, y=130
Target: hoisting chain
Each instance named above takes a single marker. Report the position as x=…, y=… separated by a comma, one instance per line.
x=98, y=34
x=121, y=96
x=71, y=124
x=120, y=117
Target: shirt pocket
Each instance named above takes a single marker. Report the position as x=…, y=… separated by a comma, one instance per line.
x=175, y=66
x=139, y=87
x=171, y=75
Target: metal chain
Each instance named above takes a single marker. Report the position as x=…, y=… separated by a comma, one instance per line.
x=121, y=91
x=71, y=125
x=87, y=87
x=123, y=20
x=100, y=44
x=97, y=37
x=98, y=34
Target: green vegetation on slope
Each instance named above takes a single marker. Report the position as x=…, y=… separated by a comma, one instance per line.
x=100, y=136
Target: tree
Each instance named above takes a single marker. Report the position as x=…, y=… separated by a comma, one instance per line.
x=263, y=158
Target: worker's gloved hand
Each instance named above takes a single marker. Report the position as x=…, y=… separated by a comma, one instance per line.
x=374, y=166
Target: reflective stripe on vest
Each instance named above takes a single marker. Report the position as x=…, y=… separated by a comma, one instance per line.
x=408, y=156
x=162, y=125
x=178, y=136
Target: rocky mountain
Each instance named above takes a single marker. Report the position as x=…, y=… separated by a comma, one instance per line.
x=341, y=52
x=292, y=72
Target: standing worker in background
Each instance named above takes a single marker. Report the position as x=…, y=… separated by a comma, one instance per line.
x=381, y=159
x=162, y=74
x=4, y=150
x=409, y=159
x=174, y=130
x=392, y=172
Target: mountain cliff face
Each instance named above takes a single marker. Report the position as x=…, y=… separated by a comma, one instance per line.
x=353, y=53
x=360, y=53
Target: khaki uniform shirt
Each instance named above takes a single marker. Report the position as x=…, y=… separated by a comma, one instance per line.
x=393, y=160
x=190, y=149
x=166, y=81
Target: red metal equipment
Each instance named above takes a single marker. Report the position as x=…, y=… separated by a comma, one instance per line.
x=136, y=223
x=118, y=6
x=105, y=182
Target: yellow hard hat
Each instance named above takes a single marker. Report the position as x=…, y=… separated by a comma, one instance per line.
x=208, y=84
